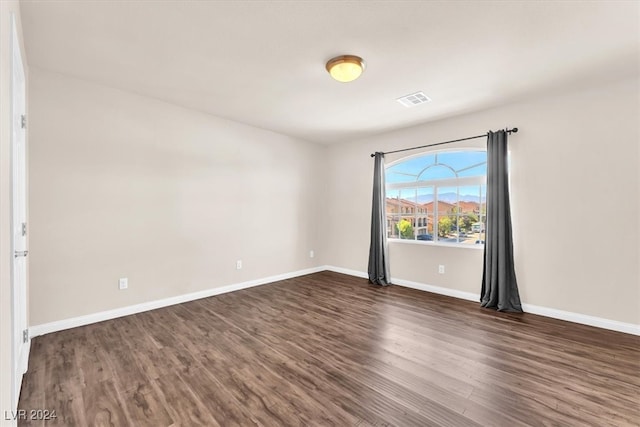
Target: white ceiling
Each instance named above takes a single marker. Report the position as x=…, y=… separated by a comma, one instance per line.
x=262, y=62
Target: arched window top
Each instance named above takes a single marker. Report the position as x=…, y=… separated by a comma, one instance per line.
x=438, y=166
x=437, y=171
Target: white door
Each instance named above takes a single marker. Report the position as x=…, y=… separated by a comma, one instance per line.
x=21, y=343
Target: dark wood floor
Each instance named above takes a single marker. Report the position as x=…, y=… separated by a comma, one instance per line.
x=330, y=349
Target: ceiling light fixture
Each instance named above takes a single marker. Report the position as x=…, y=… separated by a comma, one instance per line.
x=345, y=68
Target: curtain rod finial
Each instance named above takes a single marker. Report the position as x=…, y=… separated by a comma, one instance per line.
x=373, y=154
x=514, y=130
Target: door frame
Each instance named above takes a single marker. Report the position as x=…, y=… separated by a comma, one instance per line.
x=20, y=347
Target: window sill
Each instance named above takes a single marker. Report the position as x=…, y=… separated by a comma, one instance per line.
x=438, y=244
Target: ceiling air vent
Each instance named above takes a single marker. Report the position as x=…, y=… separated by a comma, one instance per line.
x=414, y=99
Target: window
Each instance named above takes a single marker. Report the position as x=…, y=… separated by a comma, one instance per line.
x=439, y=197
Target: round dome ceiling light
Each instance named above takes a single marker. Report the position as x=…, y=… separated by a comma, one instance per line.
x=345, y=68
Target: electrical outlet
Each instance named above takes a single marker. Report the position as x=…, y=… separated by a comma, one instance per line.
x=441, y=269
x=123, y=283
x=239, y=264
x=311, y=254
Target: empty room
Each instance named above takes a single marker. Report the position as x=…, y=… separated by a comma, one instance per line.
x=319, y=213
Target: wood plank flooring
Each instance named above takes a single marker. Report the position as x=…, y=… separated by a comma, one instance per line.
x=329, y=349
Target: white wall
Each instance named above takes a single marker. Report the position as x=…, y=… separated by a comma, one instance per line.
x=127, y=186
x=574, y=188
x=6, y=308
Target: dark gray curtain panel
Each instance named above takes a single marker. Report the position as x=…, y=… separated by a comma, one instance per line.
x=499, y=285
x=378, y=251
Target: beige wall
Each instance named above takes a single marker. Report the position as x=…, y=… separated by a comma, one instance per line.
x=6, y=9
x=127, y=186
x=574, y=187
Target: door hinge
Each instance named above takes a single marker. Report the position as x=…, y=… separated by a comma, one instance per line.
x=23, y=121
x=24, y=228
x=25, y=335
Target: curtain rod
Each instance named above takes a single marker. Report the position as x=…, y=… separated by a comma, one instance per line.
x=514, y=130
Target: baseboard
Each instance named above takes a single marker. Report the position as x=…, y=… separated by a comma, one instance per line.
x=346, y=271
x=584, y=319
x=469, y=296
x=409, y=284
x=74, y=322
x=61, y=325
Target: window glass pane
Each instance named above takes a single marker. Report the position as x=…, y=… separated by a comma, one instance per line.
x=447, y=210
x=470, y=194
x=424, y=229
x=482, y=220
x=470, y=206
x=407, y=224
x=393, y=212
x=394, y=177
x=403, y=213
x=408, y=170
x=391, y=194
x=436, y=172
x=476, y=170
x=453, y=234
x=462, y=159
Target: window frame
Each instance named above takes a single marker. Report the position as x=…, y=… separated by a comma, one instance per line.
x=434, y=185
